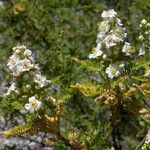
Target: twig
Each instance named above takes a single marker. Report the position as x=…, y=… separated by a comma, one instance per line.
x=140, y=144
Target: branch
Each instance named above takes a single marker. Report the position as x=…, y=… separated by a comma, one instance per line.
x=140, y=144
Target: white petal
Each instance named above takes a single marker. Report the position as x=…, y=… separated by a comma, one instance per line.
x=38, y=105
x=95, y=54
x=32, y=99
x=27, y=52
x=144, y=21
x=141, y=52
x=28, y=106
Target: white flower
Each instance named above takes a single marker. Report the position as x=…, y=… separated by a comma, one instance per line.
x=109, y=41
x=12, y=61
x=103, y=29
x=104, y=56
x=18, y=65
x=33, y=105
x=146, y=33
x=19, y=48
x=117, y=39
x=28, y=87
x=24, y=65
x=144, y=21
x=147, y=141
x=100, y=37
x=141, y=52
x=148, y=135
x=110, y=14
x=112, y=71
x=119, y=33
x=12, y=88
x=41, y=80
x=147, y=72
x=141, y=37
x=128, y=49
x=96, y=52
x=1, y=5
x=36, y=66
x=27, y=52
x=148, y=25
x=119, y=22
x=121, y=65
x=15, y=71
x=104, y=26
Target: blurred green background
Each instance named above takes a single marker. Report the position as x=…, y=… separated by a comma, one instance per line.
x=56, y=31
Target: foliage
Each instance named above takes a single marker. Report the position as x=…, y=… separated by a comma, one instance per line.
x=82, y=107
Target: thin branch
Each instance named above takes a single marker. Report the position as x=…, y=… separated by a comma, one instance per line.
x=140, y=144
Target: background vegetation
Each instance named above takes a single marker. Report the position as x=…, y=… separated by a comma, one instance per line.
x=57, y=31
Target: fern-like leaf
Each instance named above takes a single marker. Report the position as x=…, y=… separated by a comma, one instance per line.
x=44, y=124
x=91, y=66
x=146, y=89
x=142, y=78
x=16, y=105
x=143, y=61
x=21, y=129
x=64, y=95
x=88, y=88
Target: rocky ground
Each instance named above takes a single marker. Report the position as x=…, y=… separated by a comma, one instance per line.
x=23, y=142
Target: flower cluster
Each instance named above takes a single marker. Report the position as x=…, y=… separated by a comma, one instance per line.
x=1, y=5
x=111, y=32
x=11, y=89
x=145, y=41
x=21, y=60
x=144, y=37
x=22, y=63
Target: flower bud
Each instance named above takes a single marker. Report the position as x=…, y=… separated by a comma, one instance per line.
x=144, y=22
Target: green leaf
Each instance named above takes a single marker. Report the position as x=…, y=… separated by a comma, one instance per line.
x=16, y=105
x=91, y=66
x=143, y=61
x=142, y=78
x=89, y=88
